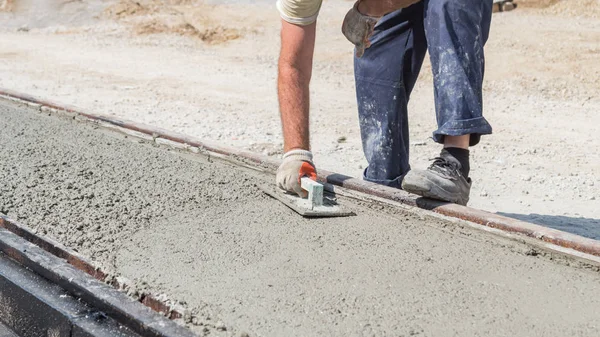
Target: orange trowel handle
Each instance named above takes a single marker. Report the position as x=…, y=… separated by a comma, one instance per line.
x=307, y=170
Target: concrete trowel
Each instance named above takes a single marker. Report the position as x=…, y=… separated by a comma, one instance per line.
x=318, y=204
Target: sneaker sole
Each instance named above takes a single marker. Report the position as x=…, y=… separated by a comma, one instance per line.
x=435, y=192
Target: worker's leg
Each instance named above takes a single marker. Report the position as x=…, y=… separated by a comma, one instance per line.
x=456, y=32
x=385, y=76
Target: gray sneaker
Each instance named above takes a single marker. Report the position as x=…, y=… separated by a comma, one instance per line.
x=442, y=181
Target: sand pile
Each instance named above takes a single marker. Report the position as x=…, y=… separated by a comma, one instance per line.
x=188, y=18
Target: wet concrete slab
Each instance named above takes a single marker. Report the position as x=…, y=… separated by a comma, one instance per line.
x=201, y=232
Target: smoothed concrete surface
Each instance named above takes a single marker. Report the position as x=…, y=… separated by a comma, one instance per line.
x=199, y=231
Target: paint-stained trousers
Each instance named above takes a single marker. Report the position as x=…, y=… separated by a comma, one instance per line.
x=454, y=32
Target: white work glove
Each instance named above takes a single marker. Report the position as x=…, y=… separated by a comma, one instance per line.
x=295, y=165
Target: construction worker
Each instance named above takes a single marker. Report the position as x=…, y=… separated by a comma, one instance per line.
x=391, y=39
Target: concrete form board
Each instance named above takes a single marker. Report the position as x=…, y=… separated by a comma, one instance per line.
x=99, y=327
x=31, y=306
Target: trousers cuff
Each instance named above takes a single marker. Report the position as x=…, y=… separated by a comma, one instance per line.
x=396, y=183
x=474, y=127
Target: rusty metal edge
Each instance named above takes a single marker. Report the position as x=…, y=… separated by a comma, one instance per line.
x=549, y=235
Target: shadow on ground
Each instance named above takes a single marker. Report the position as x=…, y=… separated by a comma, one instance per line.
x=588, y=227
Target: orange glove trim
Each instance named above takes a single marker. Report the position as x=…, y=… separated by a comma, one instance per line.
x=307, y=170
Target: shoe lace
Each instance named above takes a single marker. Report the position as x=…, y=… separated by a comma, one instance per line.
x=443, y=166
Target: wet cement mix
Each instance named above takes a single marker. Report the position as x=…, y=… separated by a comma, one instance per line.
x=199, y=231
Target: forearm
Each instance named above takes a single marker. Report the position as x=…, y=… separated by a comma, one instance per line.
x=295, y=70
x=294, y=105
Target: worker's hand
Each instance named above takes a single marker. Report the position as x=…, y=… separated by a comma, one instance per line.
x=360, y=21
x=296, y=164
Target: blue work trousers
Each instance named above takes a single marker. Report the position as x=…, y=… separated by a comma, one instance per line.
x=454, y=32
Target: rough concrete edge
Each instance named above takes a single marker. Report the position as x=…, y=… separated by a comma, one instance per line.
x=114, y=303
x=164, y=307
x=548, y=235
x=587, y=260
x=52, y=247
x=534, y=243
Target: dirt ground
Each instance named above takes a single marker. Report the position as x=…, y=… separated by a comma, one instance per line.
x=246, y=265
x=209, y=69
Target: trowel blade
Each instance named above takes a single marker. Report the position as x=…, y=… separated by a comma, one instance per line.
x=302, y=206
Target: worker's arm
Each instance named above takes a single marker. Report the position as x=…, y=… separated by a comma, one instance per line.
x=298, y=27
x=295, y=70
